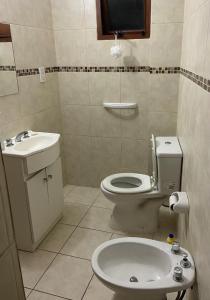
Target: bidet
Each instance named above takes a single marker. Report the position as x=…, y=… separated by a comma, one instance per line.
x=141, y=269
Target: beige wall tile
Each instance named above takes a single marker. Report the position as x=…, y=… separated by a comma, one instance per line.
x=95, y=48
x=26, y=43
x=78, y=155
x=166, y=41
x=8, y=81
x=76, y=119
x=106, y=157
x=136, y=52
x=135, y=88
x=104, y=123
x=74, y=88
x=163, y=92
x=134, y=124
x=68, y=14
x=104, y=87
x=9, y=109
x=167, y=126
x=164, y=11
x=90, y=13
x=4, y=11
x=36, y=13
x=135, y=156
x=6, y=54
x=193, y=132
x=70, y=47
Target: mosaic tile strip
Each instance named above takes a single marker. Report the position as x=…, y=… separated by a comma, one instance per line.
x=199, y=80
x=7, y=68
x=147, y=69
x=165, y=70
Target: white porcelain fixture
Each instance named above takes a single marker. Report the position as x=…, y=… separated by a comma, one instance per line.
x=138, y=197
x=37, y=142
x=34, y=176
x=140, y=269
x=120, y=105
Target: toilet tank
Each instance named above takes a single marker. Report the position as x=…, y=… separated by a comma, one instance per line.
x=169, y=164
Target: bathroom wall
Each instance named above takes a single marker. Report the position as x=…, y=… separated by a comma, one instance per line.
x=99, y=142
x=194, y=134
x=36, y=106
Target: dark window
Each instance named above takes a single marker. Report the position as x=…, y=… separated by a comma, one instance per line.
x=128, y=18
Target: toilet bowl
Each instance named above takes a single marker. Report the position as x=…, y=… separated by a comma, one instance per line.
x=138, y=197
x=143, y=269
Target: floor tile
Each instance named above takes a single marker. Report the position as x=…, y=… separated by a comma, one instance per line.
x=67, y=277
x=139, y=235
x=42, y=296
x=101, y=201
x=57, y=237
x=97, y=218
x=82, y=195
x=33, y=265
x=73, y=213
x=97, y=290
x=27, y=291
x=67, y=189
x=171, y=296
x=83, y=242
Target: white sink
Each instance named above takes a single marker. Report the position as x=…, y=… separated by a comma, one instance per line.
x=37, y=142
x=34, y=153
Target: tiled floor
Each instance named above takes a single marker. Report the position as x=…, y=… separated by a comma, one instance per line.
x=61, y=268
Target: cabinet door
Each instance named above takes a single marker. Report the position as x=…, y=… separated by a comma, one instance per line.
x=55, y=188
x=39, y=204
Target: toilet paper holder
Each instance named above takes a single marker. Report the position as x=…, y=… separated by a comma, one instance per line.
x=179, y=202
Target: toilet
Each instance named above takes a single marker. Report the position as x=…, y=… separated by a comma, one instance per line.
x=138, y=197
x=142, y=269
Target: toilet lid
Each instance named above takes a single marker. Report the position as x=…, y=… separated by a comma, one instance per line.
x=127, y=183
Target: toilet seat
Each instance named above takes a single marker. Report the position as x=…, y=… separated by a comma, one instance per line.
x=127, y=183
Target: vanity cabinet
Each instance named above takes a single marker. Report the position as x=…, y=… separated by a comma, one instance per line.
x=36, y=195
x=44, y=194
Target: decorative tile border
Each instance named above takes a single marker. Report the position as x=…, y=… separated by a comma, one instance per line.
x=165, y=70
x=199, y=80
x=7, y=68
x=122, y=69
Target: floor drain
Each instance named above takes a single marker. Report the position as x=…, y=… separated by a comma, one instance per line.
x=133, y=279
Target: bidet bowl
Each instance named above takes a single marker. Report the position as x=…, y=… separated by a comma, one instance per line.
x=147, y=262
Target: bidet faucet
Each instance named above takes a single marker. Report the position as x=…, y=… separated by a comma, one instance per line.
x=23, y=134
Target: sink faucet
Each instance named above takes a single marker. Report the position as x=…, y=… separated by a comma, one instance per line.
x=23, y=134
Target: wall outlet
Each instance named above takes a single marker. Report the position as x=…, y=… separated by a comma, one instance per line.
x=42, y=74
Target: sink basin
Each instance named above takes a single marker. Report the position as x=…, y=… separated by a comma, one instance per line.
x=37, y=142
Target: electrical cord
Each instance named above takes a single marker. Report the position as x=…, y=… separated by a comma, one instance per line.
x=178, y=295
x=182, y=296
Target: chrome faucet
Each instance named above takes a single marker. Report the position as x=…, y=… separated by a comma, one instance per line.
x=23, y=134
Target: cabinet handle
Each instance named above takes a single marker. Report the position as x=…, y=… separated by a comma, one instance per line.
x=50, y=176
x=45, y=179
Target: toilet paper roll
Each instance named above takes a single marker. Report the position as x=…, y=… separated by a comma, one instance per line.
x=172, y=202
x=178, y=202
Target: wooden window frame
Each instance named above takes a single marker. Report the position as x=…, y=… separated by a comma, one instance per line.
x=5, y=33
x=128, y=34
